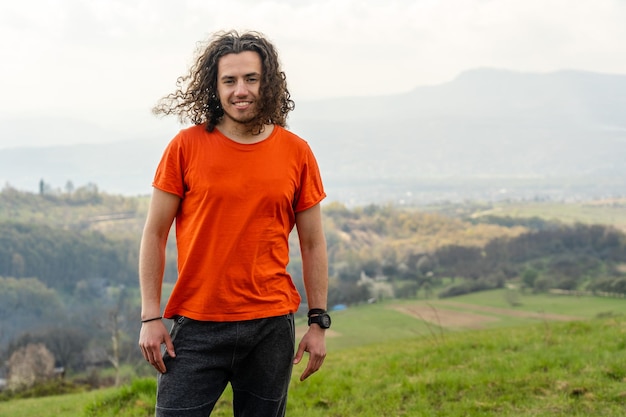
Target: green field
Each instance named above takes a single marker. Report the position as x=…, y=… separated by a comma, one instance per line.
x=611, y=212
x=490, y=359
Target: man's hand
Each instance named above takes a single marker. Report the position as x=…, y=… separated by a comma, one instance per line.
x=313, y=342
x=153, y=334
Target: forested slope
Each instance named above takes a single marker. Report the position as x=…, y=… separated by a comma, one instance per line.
x=68, y=263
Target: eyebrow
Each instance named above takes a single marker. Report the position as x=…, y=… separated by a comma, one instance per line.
x=251, y=74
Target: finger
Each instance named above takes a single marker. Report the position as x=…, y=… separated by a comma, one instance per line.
x=299, y=354
x=169, y=346
x=311, y=367
x=160, y=365
x=157, y=361
x=308, y=371
x=314, y=364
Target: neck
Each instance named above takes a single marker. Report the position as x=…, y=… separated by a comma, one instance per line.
x=242, y=133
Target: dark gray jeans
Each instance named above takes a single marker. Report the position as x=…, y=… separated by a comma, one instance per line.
x=255, y=356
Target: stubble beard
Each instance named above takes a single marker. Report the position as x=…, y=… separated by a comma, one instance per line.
x=245, y=122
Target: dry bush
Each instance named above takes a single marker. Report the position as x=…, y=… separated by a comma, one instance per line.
x=29, y=365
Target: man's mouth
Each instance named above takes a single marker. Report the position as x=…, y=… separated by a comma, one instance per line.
x=242, y=104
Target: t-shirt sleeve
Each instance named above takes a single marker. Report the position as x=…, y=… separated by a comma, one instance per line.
x=169, y=176
x=311, y=189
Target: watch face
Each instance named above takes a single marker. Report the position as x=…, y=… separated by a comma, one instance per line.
x=323, y=320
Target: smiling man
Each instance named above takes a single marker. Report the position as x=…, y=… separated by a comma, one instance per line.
x=235, y=183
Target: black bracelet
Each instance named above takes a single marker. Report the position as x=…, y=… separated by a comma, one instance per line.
x=152, y=319
x=315, y=311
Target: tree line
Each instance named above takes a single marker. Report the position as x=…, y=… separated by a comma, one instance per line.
x=378, y=252
x=61, y=258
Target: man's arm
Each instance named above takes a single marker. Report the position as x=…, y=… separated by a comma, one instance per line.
x=163, y=208
x=315, y=275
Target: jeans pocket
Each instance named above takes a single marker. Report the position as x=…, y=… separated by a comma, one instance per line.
x=179, y=322
x=292, y=327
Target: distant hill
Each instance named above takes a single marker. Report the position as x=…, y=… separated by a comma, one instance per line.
x=119, y=167
x=485, y=123
x=485, y=134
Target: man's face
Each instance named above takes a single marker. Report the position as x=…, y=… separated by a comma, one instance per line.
x=238, y=83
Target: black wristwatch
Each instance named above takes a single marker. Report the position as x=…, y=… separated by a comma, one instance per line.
x=319, y=317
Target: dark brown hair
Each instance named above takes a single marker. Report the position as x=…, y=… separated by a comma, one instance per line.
x=195, y=99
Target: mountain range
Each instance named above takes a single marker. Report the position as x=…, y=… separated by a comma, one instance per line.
x=488, y=133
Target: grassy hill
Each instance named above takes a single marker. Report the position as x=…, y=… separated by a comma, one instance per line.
x=602, y=211
x=548, y=356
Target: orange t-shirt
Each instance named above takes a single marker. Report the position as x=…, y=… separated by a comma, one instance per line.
x=238, y=205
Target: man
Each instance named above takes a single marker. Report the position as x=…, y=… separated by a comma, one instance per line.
x=236, y=183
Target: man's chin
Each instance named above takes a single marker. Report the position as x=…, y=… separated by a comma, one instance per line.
x=242, y=121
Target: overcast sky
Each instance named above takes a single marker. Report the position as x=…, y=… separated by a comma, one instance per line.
x=108, y=61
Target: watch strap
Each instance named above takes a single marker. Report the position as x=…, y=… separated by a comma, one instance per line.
x=315, y=311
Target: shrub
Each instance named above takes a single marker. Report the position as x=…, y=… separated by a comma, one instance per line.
x=466, y=287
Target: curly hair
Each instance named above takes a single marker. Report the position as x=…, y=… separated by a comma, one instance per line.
x=196, y=100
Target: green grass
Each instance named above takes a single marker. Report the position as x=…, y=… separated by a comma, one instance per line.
x=565, y=369
x=382, y=362
x=366, y=325
x=370, y=324
x=585, y=307
x=134, y=400
x=69, y=405
x=607, y=212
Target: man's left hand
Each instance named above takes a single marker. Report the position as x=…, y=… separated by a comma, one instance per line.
x=313, y=342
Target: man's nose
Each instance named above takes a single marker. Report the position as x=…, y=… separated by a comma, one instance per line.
x=241, y=89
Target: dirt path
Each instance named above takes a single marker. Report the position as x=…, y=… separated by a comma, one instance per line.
x=470, y=319
x=513, y=313
x=446, y=318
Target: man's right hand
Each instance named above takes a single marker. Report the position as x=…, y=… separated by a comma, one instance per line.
x=153, y=334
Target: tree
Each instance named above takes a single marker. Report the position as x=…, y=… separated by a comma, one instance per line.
x=529, y=276
x=113, y=326
x=117, y=323
x=27, y=303
x=29, y=365
x=67, y=344
x=69, y=187
x=61, y=258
